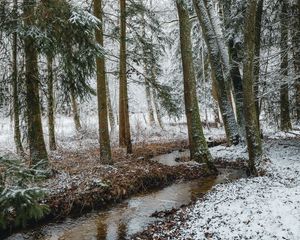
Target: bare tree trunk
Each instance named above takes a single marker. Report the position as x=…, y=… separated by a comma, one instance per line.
x=285, y=121
x=75, y=110
x=259, y=13
x=296, y=55
x=215, y=57
x=16, y=107
x=124, y=124
x=35, y=131
x=157, y=110
x=112, y=120
x=105, y=150
x=252, y=130
x=51, y=121
x=198, y=145
x=147, y=74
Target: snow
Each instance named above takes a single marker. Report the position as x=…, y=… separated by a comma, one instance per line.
x=265, y=207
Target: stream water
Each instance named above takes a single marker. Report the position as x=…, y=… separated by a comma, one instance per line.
x=132, y=215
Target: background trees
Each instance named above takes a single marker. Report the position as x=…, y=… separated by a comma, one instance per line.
x=63, y=57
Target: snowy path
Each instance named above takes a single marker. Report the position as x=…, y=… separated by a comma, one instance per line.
x=259, y=208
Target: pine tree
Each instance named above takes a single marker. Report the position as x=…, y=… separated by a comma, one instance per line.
x=105, y=151
x=35, y=131
x=124, y=124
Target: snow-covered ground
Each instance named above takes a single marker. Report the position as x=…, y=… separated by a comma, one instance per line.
x=265, y=207
x=69, y=139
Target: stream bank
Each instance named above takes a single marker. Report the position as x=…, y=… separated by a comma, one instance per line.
x=75, y=192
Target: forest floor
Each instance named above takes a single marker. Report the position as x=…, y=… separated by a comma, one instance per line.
x=266, y=207
x=80, y=183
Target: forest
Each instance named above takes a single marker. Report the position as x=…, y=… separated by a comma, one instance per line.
x=149, y=119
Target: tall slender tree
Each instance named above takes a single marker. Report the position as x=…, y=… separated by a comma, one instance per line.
x=257, y=54
x=252, y=129
x=51, y=121
x=216, y=62
x=105, y=150
x=15, y=83
x=197, y=143
x=124, y=124
x=285, y=120
x=35, y=131
x=75, y=110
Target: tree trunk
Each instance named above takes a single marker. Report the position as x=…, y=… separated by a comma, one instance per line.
x=296, y=55
x=198, y=145
x=112, y=120
x=285, y=121
x=16, y=107
x=259, y=13
x=157, y=110
x=51, y=121
x=215, y=57
x=252, y=130
x=105, y=150
x=124, y=124
x=75, y=110
x=35, y=131
x=147, y=74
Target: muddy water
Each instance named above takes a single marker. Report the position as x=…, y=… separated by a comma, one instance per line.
x=131, y=216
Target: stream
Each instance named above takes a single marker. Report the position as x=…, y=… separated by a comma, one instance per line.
x=132, y=215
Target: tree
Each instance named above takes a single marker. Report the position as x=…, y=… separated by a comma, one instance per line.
x=124, y=124
x=296, y=53
x=198, y=146
x=51, y=121
x=15, y=83
x=35, y=131
x=252, y=130
x=105, y=151
x=217, y=63
x=285, y=120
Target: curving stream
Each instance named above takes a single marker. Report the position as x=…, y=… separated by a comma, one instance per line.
x=132, y=215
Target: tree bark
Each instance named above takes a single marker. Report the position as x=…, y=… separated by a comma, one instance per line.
x=252, y=130
x=105, y=150
x=198, y=146
x=16, y=107
x=51, y=121
x=259, y=13
x=112, y=120
x=75, y=110
x=215, y=57
x=285, y=120
x=124, y=124
x=35, y=131
x=296, y=55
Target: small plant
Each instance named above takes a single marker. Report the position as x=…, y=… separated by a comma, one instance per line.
x=19, y=201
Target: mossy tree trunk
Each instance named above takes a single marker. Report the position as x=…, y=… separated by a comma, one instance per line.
x=285, y=120
x=36, y=141
x=15, y=89
x=124, y=124
x=216, y=62
x=252, y=128
x=51, y=118
x=105, y=150
x=197, y=143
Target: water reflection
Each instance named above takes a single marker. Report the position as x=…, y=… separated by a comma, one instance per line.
x=129, y=217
